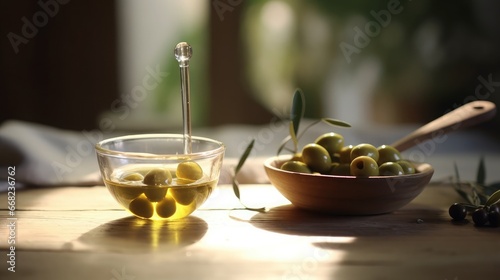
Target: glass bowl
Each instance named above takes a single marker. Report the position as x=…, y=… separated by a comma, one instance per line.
x=152, y=177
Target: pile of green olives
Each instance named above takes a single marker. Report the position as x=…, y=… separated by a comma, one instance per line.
x=481, y=216
x=328, y=155
x=146, y=190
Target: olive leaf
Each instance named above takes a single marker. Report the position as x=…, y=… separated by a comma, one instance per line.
x=237, y=169
x=293, y=136
x=236, y=189
x=244, y=156
x=236, y=185
x=297, y=111
x=335, y=122
x=457, y=185
x=494, y=198
x=457, y=174
x=462, y=193
x=477, y=193
x=476, y=199
x=481, y=172
x=296, y=115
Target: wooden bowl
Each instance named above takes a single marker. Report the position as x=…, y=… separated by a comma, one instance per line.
x=347, y=195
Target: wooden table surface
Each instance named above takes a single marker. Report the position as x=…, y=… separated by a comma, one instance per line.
x=81, y=233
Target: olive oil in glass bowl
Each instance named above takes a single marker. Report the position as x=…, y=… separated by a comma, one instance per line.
x=151, y=176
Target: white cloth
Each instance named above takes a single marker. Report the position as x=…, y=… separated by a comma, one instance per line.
x=44, y=155
x=47, y=156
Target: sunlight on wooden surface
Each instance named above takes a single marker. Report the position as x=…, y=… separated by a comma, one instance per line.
x=88, y=236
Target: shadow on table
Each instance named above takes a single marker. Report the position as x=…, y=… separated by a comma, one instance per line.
x=131, y=234
x=289, y=219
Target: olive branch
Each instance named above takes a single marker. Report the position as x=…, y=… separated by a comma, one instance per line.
x=477, y=193
x=236, y=184
x=296, y=115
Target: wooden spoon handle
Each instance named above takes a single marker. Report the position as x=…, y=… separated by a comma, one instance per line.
x=467, y=115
